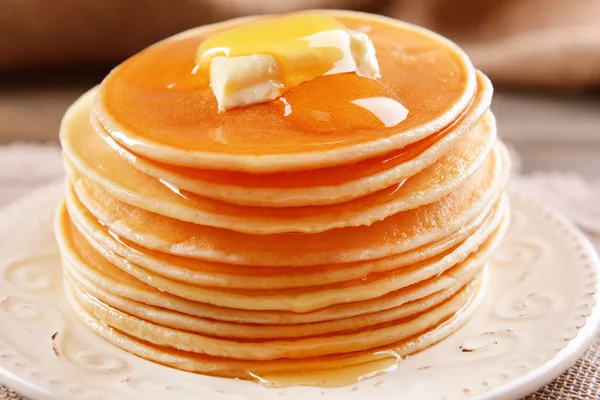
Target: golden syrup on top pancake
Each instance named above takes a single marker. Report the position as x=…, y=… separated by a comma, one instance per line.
x=157, y=106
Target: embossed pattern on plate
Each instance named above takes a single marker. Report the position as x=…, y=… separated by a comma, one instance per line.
x=538, y=316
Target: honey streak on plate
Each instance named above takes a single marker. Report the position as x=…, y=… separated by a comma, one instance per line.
x=374, y=362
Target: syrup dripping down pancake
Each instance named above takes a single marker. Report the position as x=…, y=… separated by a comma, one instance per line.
x=83, y=264
x=244, y=349
x=211, y=327
x=113, y=282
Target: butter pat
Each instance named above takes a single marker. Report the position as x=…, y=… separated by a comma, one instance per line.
x=258, y=62
x=244, y=80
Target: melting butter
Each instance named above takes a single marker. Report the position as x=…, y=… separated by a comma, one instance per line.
x=258, y=62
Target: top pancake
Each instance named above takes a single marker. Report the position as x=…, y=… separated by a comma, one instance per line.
x=156, y=106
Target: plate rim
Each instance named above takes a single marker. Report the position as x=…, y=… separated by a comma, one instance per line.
x=550, y=370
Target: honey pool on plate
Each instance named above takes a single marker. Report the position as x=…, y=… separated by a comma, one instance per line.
x=315, y=239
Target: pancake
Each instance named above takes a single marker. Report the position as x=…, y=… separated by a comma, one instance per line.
x=115, y=281
x=272, y=371
x=304, y=299
x=426, y=187
x=248, y=277
x=216, y=328
x=398, y=233
x=327, y=185
x=104, y=168
x=316, y=346
x=140, y=101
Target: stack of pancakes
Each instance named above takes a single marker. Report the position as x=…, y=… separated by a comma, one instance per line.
x=229, y=246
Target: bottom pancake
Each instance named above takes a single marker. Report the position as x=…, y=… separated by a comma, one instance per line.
x=333, y=370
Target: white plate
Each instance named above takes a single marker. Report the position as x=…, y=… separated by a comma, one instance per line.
x=538, y=317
